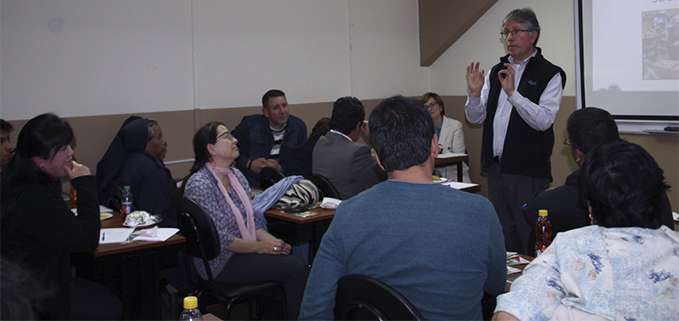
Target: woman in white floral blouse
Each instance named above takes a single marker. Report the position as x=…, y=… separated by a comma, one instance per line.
x=623, y=267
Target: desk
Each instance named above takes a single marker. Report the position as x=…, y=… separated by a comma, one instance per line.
x=467, y=187
x=520, y=267
x=297, y=229
x=132, y=269
x=452, y=159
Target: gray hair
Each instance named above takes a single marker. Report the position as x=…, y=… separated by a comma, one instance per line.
x=527, y=17
x=150, y=124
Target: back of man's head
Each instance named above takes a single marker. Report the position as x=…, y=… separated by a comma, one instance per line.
x=270, y=94
x=401, y=131
x=347, y=112
x=591, y=127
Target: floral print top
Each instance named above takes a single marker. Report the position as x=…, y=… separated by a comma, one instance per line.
x=617, y=273
x=202, y=188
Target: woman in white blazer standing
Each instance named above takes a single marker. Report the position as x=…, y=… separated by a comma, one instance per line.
x=450, y=134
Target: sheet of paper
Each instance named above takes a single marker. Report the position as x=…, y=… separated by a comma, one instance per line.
x=114, y=235
x=459, y=185
x=102, y=209
x=512, y=270
x=163, y=234
x=330, y=203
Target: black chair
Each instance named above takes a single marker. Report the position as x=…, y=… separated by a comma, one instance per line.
x=115, y=197
x=363, y=298
x=325, y=187
x=202, y=242
x=269, y=176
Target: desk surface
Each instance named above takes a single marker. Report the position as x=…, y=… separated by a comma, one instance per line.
x=449, y=159
x=117, y=248
x=520, y=267
x=316, y=214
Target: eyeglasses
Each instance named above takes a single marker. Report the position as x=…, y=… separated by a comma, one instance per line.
x=567, y=142
x=225, y=135
x=514, y=33
x=431, y=106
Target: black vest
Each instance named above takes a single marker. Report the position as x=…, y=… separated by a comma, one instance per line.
x=526, y=151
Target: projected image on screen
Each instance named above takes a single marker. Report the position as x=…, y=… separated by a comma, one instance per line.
x=660, y=44
x=628, y=58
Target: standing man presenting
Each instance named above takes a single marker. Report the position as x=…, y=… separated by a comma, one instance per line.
x=262, y=139
x=517, y=103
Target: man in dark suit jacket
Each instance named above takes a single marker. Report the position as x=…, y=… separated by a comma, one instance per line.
x=349, y=166
x=587, y=128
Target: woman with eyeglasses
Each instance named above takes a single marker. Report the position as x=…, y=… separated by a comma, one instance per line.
x=248, y=252
x=450, y=135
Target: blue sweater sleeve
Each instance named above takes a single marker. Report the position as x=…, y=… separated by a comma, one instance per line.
x=319, y=297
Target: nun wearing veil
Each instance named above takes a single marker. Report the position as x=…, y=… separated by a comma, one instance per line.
x=135, y=158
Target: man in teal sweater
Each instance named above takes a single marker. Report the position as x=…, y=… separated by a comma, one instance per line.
x=439, y=247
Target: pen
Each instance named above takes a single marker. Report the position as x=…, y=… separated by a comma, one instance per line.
x=103, y=236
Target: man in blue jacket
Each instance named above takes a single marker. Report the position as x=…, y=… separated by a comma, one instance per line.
x=263, y=140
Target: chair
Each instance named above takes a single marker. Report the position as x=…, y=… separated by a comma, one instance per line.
x=115, y=197
x=325, y=187
x=269, y=176
x=363, y=298
x=202, y=242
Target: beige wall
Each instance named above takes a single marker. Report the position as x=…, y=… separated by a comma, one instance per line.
x=94, y=134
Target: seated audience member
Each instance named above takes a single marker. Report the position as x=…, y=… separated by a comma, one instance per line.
x=439, y=247
x=450, y=134
x=301, y=158
x=248, y=252
x=264, y=139
x=6, y=148
x=623, y=267
x=38, y=230
x=135, y=158
x=587, y=129
x=349, y=166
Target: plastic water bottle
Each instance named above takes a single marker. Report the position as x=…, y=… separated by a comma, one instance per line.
x=543, y=232
x=73, y=197
x=127, y=202
x=191, y=311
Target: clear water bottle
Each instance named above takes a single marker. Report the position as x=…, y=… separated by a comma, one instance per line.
x=127, y=202
x=191, y=311
x=543, y=232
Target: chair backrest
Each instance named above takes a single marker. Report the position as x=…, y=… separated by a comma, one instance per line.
x=269, y=176
x=325, y=186
x=363, y=298
x=115, y=197
x=202, y=240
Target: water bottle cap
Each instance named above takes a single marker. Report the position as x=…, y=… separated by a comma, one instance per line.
x=542, y=213
x=190, y=302
x=126, y=188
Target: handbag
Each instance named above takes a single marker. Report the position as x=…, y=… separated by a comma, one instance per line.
x=299, y=196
